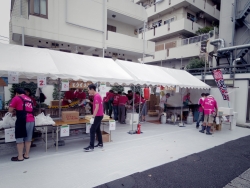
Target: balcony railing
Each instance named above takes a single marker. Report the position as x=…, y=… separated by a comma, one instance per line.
x=225, y=70
x=196, y=39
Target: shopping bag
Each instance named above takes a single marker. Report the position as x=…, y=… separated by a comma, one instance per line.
x=88, y=126
x=8, y=121
x=9, y=135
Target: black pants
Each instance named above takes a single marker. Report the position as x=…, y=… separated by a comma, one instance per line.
x=96, y=129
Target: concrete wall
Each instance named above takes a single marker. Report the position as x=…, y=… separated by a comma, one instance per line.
x=241, y=100
x=123, y=28
x=56, y=28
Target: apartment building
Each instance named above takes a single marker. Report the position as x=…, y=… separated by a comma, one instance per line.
x=172, y=25
x=104, y=28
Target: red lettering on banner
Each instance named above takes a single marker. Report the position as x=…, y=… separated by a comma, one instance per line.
x=218, y=77
x=41, y=82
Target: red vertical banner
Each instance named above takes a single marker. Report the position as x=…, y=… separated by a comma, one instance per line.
x=218, y=77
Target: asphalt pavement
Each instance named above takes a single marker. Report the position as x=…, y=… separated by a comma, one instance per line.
x=222, y=166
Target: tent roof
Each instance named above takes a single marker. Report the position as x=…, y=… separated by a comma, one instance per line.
x=155, y=75
x=148, y=74
x=186, y=79
x=32, y=62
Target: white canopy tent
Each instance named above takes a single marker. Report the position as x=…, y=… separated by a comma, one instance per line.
x=33, y=62
x=155, y=75
x=148, y=75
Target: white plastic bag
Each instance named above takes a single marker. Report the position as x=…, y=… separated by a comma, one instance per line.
x=8, y=121
x=88, y=126
x=92, y=121
x=41, y=119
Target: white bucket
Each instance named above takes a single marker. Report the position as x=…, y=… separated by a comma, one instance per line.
x=190, y=120
x=163, y=119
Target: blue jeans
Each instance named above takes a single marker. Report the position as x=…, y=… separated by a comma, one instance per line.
x=201, y=118
x=115, y=112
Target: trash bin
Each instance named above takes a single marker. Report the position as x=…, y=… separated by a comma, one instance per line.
x=163, y=119
x=233, y=120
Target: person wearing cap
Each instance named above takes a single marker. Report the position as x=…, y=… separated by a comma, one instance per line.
x=29, y=94
x=201, y=110
x=210, y=112
x=25, y=123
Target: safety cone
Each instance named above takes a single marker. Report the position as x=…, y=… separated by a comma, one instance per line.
x=138, y=129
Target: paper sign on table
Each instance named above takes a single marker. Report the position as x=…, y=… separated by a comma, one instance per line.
x=13, y=78
x=41, y=81
x=112, y=125
x=65, y=85
x=64, y=131
x=9, y=135
x=177, y=89
x=88, y=126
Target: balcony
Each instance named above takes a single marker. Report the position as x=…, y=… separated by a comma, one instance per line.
x=128, y=9
x=167, y=6
x=129, y=44
x=182, y=26
x=185, y=48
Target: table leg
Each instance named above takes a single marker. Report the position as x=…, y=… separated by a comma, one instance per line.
x=46, y=139
x=57, y=138
x=110, y=136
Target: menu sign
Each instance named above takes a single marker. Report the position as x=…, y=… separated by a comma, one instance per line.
x=79, y=84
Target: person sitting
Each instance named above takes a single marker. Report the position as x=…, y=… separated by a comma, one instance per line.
x=186, y=100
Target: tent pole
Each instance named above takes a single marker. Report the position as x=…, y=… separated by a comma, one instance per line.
x=132, y=131
x=59, y=90
x=139, y=107
x=181, y=108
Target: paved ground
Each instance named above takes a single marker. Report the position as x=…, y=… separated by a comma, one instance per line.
x=163, y=156
x=211, y=168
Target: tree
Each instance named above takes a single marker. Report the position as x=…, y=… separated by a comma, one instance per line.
x=118, y=88
x=32, y=86
x=56, y=92
x=196, y=63
x=204, y=30
x=136, y=89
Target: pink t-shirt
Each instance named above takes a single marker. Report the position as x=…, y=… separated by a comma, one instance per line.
x=17, y=103
x=201, y=100
x=98, y=100
x=210, y=105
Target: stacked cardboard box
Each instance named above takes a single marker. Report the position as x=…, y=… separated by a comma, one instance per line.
x=68, y=116
x=105, y=137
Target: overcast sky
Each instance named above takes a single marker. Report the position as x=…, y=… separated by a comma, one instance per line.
x=4, y=20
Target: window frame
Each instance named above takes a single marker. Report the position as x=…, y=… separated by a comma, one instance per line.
x=31, y=9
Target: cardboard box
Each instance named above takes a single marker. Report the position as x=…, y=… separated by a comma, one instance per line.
x=70, y=116
x=218, y=127
x=54, y=103
x=105, y=137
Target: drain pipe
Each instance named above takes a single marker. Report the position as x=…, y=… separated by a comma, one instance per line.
x=220, y=41
x=232, y=48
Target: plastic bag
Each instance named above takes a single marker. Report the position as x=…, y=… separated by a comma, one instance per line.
x=41, y=119
x=88, y=126
x=8, y=121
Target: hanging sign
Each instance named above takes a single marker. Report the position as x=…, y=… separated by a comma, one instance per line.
x=13, y=77
x=218, y=77
x=3, y=81
x=112, y=125
x=41, y=81
x=177, y=89
x=64, y=131
x=170, y=88
x=9, y=135
x=79, y=84
x=103, y=89
x=65, y=85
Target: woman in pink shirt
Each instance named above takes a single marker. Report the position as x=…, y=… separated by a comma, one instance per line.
x=210, y=112
x=201, y=113
x=25, y=123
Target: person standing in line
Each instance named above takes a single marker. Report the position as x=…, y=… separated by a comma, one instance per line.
x=201, y=110
x=97, y=119
x=210, y=112
x=106, y=103
x=110, y=102
x=121, y=108
x=140, y=102
x=25, y=123
x=115, y=105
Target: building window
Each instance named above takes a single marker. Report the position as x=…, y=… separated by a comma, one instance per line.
x=129, y=60
x=168, y=21
x=111, y=28
x=95, y=55
x=191, y=17
x=39, y=8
